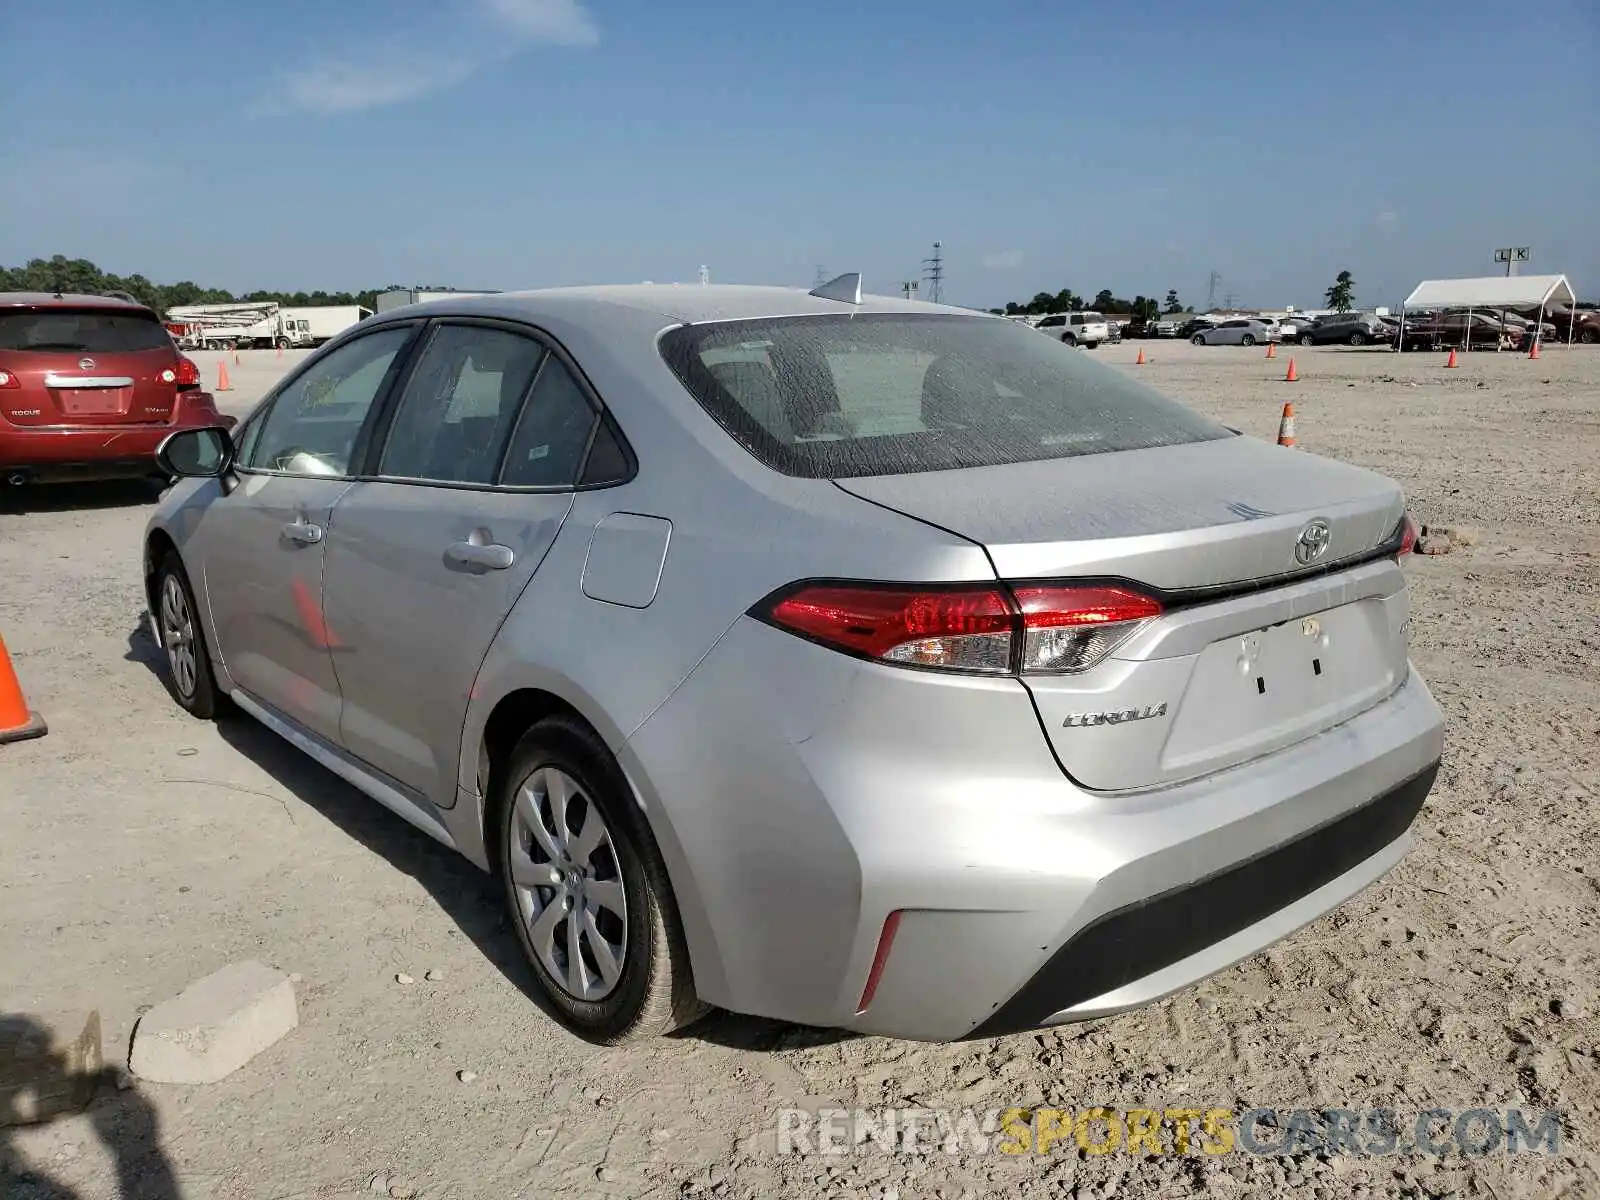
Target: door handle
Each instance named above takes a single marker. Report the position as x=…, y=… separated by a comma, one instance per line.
x=303, y=532
x=492, y=556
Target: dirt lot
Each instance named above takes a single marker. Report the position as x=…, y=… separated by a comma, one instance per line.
x=140, y=849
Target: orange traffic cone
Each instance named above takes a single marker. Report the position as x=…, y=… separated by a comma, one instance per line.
x=1139, y=362
x=1272, y=349
x=1286, y=426
x=222, y=377
x=1293, y=375
x=17, y=723
x=1451, y=361
x=1534, y=351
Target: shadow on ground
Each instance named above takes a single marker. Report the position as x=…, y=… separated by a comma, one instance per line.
x=74, y=497
x=124, y=1121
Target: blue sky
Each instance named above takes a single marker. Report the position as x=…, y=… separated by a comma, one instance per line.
x=520, y=143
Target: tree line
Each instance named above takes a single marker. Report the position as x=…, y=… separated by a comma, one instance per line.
x=80, y=276
x=1105, y=301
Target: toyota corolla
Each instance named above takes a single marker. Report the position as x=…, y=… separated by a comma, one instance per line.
x=851, y=661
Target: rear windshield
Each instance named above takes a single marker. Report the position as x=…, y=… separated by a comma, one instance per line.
x=82, y=330
x=842, y=396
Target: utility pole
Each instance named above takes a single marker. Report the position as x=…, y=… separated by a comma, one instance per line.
x=1211, y=291
x=705, y=275
x=1227, y=302
x=933, y=272
x=909, y=287
x=822, y=276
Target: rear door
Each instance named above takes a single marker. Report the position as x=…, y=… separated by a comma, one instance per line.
x=472, y=481
x=87, y=365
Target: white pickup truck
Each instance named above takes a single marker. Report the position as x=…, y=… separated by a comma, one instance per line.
x=1086, y=329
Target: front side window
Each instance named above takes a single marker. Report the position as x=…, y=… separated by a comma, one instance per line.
x=459, y=405
x=314, y=422
x=884, y=394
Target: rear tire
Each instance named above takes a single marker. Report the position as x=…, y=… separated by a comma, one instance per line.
x=1358, y=339
x=1589, y=337
x=635, y=980
x=1305, y=340
x=1248, y=339
x=189, y=676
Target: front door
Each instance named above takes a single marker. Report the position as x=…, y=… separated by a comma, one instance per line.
x=262, y=545
x=423, y=563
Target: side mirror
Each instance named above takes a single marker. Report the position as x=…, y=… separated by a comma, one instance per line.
x=196, y=453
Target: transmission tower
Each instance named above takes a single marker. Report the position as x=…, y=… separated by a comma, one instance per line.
x=822, y=276
x=1211, y=291
x=933, y=273
x=705, y=275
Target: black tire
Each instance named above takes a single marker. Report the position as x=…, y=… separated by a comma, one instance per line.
x=654, y=990
x=1248, y=339
x=1069, y=339
x=1198, y=339
x=195, y=690
x=1589, y=337
x=1358, y=338
x=1307, y=340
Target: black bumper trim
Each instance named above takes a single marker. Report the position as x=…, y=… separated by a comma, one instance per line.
x=1146, y=936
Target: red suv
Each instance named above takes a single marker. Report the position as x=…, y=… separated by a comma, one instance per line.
x=89, y=387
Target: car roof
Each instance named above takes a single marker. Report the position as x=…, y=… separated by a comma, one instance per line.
x=669, y=303
x=65, y=300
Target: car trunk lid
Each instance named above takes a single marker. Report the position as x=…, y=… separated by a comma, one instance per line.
x=1257, y=648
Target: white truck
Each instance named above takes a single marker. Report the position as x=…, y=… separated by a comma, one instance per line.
x=249, y=324
x=313, y=325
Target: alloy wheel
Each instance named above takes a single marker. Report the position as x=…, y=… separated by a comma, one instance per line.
x=177, y=635
x=568, y=884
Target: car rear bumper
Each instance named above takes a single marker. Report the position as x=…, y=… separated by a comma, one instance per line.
x=835, y=793
x=88, y=451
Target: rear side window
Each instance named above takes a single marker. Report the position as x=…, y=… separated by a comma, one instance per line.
x=82, y=330
x=889, y=394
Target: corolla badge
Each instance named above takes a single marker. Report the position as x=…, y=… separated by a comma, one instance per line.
x=1118, y=717
x=86, y=364
x=1312, y=543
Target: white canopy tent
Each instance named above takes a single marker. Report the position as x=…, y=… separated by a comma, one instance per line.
x=1490, y=292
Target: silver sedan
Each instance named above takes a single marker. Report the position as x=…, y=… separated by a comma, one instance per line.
x=850, y=661
x=1237, y=333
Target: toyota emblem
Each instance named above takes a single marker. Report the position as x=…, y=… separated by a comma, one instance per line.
x=1312, y=543
x=86, y=364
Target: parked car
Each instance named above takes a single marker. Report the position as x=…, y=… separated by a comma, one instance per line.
x=89, y=388
x=1583, y=325
x=1460, y=330
x=1289, y=327
x=1242, y=331
x=1086, y=329
x=1195, y=325
x=1352, y=329
x=857, y=663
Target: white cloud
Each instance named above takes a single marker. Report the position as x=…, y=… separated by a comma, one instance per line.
x=1003, y=260
x=429, y=59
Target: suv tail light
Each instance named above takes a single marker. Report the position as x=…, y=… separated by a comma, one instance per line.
x=988, y=629
x=1406, y=532
x=9, y=381
x=188, y=373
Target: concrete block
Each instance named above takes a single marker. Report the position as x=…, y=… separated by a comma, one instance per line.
x=48, y=1064
x=214, y=1026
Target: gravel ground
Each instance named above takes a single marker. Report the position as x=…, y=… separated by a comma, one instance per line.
x=140, y=849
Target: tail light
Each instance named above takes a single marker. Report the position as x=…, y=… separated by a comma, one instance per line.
x=8, y=381
x=188, y=373
x=985, y=629
x=1407, y=533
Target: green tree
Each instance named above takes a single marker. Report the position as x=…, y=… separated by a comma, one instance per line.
x=1104, y=301
x=1174, y=305
x=1341, y=296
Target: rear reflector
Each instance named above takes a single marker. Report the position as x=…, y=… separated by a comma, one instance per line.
x=978, y=628
x=8, y=380
x=891, y=925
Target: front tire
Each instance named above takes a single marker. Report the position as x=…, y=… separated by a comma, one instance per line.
x=1358, y=339
x=1589, y=337
x=587, y=891
x=189, y=675
x=1306, y=340
x=1248, y=340
x=1198, y=339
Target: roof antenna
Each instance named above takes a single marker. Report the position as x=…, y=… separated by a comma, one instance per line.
x=845, y=288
